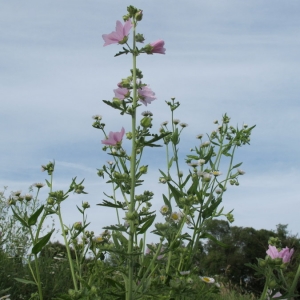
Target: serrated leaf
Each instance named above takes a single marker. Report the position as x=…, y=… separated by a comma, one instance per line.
x=25, y=281
x=33, y=218
x=111, y=204
x=41, y=243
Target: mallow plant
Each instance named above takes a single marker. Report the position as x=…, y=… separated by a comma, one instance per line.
x=164, y=269
x=273, y=268
x=194, y=190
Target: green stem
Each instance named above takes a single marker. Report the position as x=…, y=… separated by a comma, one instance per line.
x=129, y=292
x=68, y=248
x=37, y=279
x=295, y=281
x=265, y=290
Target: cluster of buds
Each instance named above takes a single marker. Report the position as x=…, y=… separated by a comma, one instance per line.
x=49, y=168
x=97, y=124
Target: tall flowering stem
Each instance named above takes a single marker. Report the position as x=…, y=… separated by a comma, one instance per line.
x=132, y=171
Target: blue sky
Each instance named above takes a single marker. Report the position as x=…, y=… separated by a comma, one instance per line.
x=235, y=57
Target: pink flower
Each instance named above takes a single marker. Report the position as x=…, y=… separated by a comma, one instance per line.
x=146, y=95
x=285, y=253
x=158, y=47
x=121, y=93
x=114, y=138
x=119, y=36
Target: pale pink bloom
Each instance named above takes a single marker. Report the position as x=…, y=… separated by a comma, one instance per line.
x=285, y=253
x=158, y=47
x=146, y=95
x=114, y=138
x=117, y=36
x=121, y=93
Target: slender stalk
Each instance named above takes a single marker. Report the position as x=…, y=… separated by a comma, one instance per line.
x=37, y=279
x=129, y=292
x=265, y=291
x=68, y=248
x=295, y=281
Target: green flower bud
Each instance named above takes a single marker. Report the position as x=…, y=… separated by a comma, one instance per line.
x=117, y=101
x=272, y=284
x=50, y=201
x=100, y=173
x=77, y=225
x=139, y=15
x=262, y=263
x=86, y=205
x=146, y=122
x=143, y=169
x=129, y=135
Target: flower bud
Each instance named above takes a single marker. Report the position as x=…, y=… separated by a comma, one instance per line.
x=100, y=173
x=86, y=205
x=139, y=15
x=77, y=225
x=272, y=284
x=143, y=169
x=262, y=263
x=117, y=101
x=146, y=122
x=50, y=201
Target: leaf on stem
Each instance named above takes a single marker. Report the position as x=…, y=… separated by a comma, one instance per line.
x=33, y=218
x=41, y=243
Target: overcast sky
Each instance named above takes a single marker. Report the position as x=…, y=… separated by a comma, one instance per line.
x=235, y=57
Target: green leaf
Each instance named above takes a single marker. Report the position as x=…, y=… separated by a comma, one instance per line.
x=175, y=137
x=111, y=204
x=25, y=281
x=167, y=202
x=176, y=194
x=235, y=166
x=208, y=212
x=156, y=138
x=193, y=188
x=162, y=173
x=41, y=243
x=147, y=225
x=206, y=235
x=79, y=209
x=185, y=181
x=33, y=218
x=170, y=163
x=116, y=227
x=48, y=183
x=23, y=222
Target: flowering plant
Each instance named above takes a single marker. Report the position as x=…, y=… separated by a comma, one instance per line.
x=166, y=269
x=272, y=268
